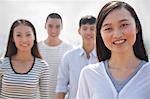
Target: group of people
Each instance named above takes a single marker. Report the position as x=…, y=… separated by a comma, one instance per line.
x=112, y=62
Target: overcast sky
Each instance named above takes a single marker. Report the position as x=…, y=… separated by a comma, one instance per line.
x=71, y=11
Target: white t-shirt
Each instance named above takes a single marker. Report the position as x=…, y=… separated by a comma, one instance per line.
x=52, y=55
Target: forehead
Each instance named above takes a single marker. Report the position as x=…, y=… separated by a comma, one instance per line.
x=117, y=15
x=22, y=28
x=53, y=21
x=88, y=25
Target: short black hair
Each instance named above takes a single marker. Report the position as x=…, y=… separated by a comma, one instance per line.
x=88, y=19
x=54, y=15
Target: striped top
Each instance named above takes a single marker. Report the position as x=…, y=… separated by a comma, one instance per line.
x=15, y=85
x=52, y=55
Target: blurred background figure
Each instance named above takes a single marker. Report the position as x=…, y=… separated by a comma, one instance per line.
x=53, y=48
x=22, y=70
x=71, y=11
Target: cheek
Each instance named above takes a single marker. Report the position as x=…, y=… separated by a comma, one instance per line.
x=48, y=29
x=106, y=39
x=58, y=30
x=32, y=39
x=131, y=38
x=131, y=35
x=16, y=40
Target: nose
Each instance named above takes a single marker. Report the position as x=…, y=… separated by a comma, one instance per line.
x=117, y=33
x=24, y=39
x=53, y=30
x=90, y=32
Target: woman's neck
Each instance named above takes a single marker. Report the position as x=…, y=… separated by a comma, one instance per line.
x=125, y=60
x=23, y=56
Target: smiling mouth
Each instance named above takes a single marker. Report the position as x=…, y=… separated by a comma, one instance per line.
x=89, y=37
x=24, y=45
x=118, y=42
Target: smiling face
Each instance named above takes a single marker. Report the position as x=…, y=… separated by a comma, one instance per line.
x=87, y=32
x=23, y=37
x=119, y=30
x=53, y=27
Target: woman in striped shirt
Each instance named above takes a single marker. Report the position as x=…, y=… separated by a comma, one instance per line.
x=22, y=71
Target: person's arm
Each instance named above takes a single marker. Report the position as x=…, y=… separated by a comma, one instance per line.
x=83, y=87
x=62, y=78
x=60, y=95
x=44, y=82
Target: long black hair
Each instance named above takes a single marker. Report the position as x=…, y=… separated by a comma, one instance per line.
x=11, y=47
x=103, y=52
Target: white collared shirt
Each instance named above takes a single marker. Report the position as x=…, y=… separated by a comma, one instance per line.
x=69, y=70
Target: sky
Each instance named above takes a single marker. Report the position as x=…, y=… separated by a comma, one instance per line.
x=71, y=11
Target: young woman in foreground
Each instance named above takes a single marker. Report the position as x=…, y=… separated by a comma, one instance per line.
x=123, y=71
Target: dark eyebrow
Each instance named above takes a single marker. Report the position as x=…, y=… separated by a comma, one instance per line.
x=49, y=24
x=107, y=24
x=18, y=32
x=28, y=32
x=25, y=32
x=123, y=20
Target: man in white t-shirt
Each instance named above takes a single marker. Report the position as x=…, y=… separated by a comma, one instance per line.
x=74, y=60
x=53, y=48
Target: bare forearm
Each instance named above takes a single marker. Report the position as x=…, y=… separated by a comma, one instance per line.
x=60, y=95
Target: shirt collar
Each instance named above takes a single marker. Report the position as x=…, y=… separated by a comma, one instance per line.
x=82, y=52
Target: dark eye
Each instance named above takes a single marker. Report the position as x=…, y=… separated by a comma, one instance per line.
x=124, y=25
x=50, y=26
x=18, y=35
x=92, y=29
x=28, y=34
x=84, y=29
x=108, y=29
x=58, y=26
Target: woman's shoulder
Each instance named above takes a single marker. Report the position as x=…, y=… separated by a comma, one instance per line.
x=41, y=62
x=97, y=67
x=4, y=59
x=146, y=65
x=4, y=62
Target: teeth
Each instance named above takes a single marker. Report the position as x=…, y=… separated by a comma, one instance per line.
x=24, y=45
x=89, y=37
x=119, y=41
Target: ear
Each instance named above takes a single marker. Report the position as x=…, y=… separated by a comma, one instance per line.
x=45, y=26
x=79, y=31
x=61, y=26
